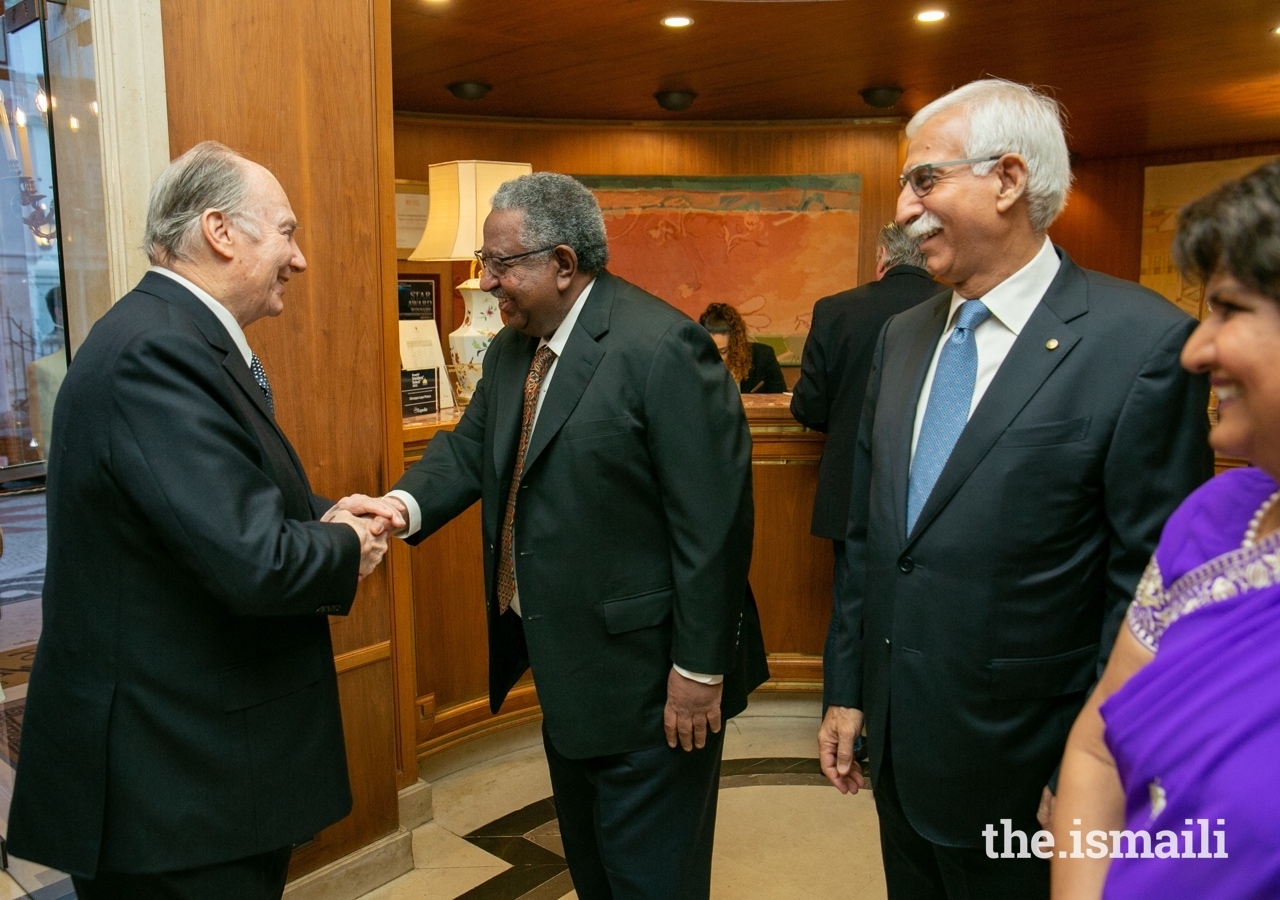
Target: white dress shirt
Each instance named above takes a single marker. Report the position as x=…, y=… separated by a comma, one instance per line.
x=224, y=315
x=1011, y=302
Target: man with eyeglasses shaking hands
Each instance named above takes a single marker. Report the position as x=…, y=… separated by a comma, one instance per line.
x=609, y=448
x=1024, y=437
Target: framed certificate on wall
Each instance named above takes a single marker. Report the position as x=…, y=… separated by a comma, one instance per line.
x=412, y=203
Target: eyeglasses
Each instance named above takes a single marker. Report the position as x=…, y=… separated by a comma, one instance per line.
x=497, y=266
x=922, y=177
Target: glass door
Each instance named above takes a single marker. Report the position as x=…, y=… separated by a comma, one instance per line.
x=52, y=262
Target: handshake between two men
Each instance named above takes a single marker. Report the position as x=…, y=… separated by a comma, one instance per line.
x=374, y=520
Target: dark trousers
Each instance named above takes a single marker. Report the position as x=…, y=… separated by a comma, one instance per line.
x=638, y=826
x=915, y=868
x=259, y=877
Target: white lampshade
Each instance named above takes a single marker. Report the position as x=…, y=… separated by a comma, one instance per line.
x=460, y=194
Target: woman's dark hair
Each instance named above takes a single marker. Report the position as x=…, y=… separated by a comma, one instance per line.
x=721, y=318
x=1235, y=229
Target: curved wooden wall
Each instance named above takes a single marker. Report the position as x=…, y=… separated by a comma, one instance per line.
x=304, y=89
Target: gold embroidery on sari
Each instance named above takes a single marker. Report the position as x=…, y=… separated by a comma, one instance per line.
x=1155, y=608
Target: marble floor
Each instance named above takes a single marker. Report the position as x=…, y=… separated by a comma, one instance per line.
x=782, y=832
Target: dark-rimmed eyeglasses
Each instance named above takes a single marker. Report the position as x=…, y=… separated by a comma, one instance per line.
x=497, y=266
x=922, y=177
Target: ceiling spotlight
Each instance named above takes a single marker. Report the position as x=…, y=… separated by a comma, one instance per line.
x=677, y=21
x=931, y=15
x=675, y=101
x=881, y=97
x=469, y=90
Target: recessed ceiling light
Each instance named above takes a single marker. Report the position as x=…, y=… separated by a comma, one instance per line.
x=1277, y=30
x=677, y=21
x=931, y=15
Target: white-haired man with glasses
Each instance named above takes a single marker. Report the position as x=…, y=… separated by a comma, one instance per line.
x=608, y=446
x=1024, y=437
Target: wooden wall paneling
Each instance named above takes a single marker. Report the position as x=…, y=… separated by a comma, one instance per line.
x=397, y=563
x=368, y=705
x=790, y=569
x=871, y=149
x=312, y=117
x=1101, y=228
x=449, y=613
x=1102, y=225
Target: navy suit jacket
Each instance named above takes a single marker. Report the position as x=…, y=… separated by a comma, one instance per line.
x=971, y=643
x=183, y=707
x=833, y=379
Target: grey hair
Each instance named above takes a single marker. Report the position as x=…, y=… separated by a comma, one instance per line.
x=900, y=248
x=1007, y=117
x=557, y=210
x=208, y=176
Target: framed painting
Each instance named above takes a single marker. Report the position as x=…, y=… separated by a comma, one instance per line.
x=769, y=245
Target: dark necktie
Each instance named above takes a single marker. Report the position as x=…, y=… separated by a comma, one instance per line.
x=260, y=376
x=948, y=410
x=542, y=361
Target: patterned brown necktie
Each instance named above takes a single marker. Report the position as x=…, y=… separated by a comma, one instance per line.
x=542, y=361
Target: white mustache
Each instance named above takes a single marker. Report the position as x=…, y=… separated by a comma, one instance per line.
x=924, y=224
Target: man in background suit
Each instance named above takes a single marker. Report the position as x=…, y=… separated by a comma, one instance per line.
x=834, y=369
x=1024, y=439
x=182, y=729
x=608, y=445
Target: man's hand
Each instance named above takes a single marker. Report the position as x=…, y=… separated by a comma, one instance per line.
x=372, y=534
x=692, y=708
x=839, y=729
x=1044, y=815
x=385, y=512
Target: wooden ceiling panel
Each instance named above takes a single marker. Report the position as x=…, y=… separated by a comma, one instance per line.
x=1136, y=77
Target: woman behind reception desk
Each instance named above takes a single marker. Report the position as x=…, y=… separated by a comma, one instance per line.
x=753, y=365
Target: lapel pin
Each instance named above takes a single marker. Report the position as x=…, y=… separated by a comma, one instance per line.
x=1051, y=344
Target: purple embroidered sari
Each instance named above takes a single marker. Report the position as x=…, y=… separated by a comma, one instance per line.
x=1196, y=733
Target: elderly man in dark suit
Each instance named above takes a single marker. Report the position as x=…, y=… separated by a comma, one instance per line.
x=834, y=370
x=1025, y=437
x=182, y=728
x=608, y=445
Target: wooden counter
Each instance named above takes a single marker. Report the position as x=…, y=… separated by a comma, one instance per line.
x=790, y=574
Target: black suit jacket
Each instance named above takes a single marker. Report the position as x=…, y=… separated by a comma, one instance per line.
x=183, y=707
x=765, y=375
x=975, y=639
x=833, y=379
x=633, y=524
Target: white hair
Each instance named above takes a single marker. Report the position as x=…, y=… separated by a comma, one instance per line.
x=1007, y=117
x=208, y=176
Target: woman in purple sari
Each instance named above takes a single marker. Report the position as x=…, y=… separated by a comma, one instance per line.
x=1174, y=763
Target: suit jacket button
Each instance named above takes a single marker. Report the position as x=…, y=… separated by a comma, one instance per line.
x=906, y=564
x=886, y=642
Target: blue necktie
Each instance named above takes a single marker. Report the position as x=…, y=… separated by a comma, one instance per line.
x=948, y=409
x=260, y=376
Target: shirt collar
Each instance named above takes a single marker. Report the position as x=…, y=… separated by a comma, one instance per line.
x=561, y=336
x=224, y=315
x=1013, y=300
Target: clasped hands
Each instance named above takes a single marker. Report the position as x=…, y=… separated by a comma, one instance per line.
x=374, y=520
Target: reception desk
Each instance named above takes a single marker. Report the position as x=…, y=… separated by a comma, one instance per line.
x=790, y=574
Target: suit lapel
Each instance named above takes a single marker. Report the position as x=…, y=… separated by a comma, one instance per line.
x=216, y=334
x=574, y=368
x=509, y=373
x=904, y=382
x=1029, y=364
